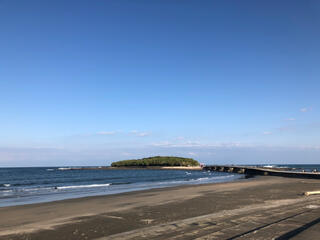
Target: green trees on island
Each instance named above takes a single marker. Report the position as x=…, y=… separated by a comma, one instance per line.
x=156, y=161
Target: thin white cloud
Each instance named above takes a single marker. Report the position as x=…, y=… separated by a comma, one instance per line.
x=127, y=154
x=106, y=133
x=195, y=144
x=180, y=144
x=143, y=134
x=192, y=154
x=285, y=128
x=218, y=152
x=267, y=133
x=305, y=109
x=290, y=119
x=140, y=134
x=180, y=138
x=311, y=147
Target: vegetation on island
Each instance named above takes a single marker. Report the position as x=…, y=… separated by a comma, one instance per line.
x=161, y=161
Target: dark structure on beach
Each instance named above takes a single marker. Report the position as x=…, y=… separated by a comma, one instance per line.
x=254, y=171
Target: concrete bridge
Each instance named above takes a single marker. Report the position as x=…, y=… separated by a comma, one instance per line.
x=253, y=171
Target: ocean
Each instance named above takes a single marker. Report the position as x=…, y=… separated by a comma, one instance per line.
x=20, y=186
x=44, y=184
x=295, y=167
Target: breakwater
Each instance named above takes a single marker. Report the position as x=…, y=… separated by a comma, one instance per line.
x=253, y=171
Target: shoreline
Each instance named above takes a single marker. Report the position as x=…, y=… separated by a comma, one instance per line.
x=60, y=193
x=57, y=198
x=158, y=189
x=100, y=216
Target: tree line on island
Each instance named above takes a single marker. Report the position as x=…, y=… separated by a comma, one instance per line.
x=161, y=161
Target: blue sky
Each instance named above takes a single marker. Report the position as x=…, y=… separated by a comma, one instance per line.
x=90, y=82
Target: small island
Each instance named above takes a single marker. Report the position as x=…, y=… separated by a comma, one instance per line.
x=158, y=161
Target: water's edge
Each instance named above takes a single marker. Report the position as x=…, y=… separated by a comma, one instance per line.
x=34, y=185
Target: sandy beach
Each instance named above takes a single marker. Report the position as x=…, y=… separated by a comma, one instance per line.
x=259, y=208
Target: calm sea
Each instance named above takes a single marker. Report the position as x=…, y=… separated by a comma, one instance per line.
x=296, y=167
x=32, y=185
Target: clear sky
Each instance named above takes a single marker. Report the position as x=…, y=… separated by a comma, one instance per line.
x=90, y=82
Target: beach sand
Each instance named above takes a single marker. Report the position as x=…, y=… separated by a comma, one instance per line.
x=259, y=208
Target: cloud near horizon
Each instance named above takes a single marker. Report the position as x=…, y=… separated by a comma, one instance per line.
x=306, y=109
x=107, y=133
x=197, y=144
x=290, y=119
x=133, y=132
x=140, y=134
x=219, y=153
x=267, y=133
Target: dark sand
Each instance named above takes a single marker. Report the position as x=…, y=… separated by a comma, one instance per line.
x=260, y=208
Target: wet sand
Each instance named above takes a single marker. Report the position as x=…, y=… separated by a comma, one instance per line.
x=259, y=208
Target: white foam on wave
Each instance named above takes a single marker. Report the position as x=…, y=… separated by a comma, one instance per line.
x=269, y=166
x=35, y=189
x=212, y=178
x=227, y=176
x=84, y=186
x=191, y=181
x=6, y=191
x=7, y=185
x=201, y=179
x=64, y=168
x=41, y=189
x=50, y=169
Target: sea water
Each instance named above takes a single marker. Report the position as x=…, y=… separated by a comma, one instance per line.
x=294, y=167
x=33, y=185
